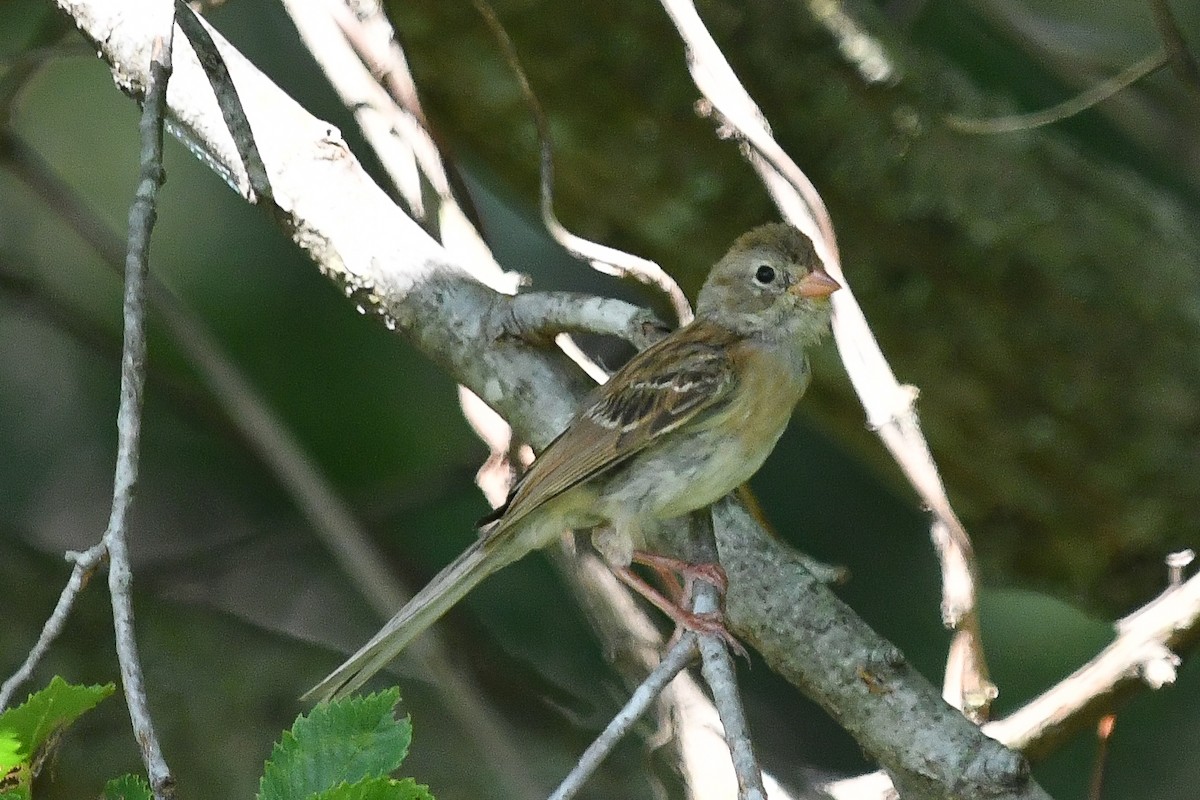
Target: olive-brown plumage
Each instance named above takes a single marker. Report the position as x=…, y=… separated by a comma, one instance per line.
x=684, y=422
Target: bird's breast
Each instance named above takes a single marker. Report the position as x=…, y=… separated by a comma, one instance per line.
x=697, y=465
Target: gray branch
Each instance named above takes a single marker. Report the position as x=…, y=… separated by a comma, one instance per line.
x=142, y=215
x=638, y=704
x=86, y=564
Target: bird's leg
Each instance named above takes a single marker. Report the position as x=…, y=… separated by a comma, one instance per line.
x=615, y=542
x=668, y=579
x=667, y=568
x=711, y=623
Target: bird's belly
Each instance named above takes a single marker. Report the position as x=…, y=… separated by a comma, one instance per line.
x=666, y=487
x=690, y=471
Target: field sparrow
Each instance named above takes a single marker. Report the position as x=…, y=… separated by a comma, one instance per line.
x=684, y=422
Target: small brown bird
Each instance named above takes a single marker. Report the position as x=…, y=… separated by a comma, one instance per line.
x=683, y=423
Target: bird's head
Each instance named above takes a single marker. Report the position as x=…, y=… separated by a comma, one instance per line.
x=770, y=284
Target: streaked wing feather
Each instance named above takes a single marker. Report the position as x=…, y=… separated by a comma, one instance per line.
x=660, y=389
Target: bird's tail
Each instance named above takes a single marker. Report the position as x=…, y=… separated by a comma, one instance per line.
x=429, y=604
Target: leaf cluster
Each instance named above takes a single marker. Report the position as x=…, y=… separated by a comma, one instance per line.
x=340, y=751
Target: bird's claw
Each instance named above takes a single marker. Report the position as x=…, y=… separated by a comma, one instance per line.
x=711, y=623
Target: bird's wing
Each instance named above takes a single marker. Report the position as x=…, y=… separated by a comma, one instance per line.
x=665, y=386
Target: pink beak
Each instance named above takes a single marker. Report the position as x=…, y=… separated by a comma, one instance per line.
x=815, y=284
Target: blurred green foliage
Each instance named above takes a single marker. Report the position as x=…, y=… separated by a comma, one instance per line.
x=1039, y=288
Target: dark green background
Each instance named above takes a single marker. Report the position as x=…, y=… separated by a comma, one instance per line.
x=1040, y=288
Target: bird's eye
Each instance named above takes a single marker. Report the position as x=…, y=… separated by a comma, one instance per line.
x=764, y=274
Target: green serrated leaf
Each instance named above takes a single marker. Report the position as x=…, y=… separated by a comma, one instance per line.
x=127, y=787
x=411, y=790
x=345, y=741
x=10, y=751
x=377, y=789
x=16, y=783
x=50, y=710
x=15, y=778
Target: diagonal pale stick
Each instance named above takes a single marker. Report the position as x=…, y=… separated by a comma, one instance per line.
x=889, y=405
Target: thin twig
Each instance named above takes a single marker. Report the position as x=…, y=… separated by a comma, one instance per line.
x=540, y=315
x=1068, y=108
x=718, y=668
x=604, y=259
x=1174, y=53
x=369, y=76
x=380, y=50
x=856, y=45
x=142, y=216
x=86, y=564
x=1104, y=732
x=258, y=182
x=1143, y=652
x=245, y=408
x=639, y=702
x=719, y=674
x=367, y=29
x=723, y=93
x=1183, y=63
x=19, y=72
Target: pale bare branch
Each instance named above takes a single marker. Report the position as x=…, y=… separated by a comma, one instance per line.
x=85, y=565
x=142, y=215
x=1144, y=652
